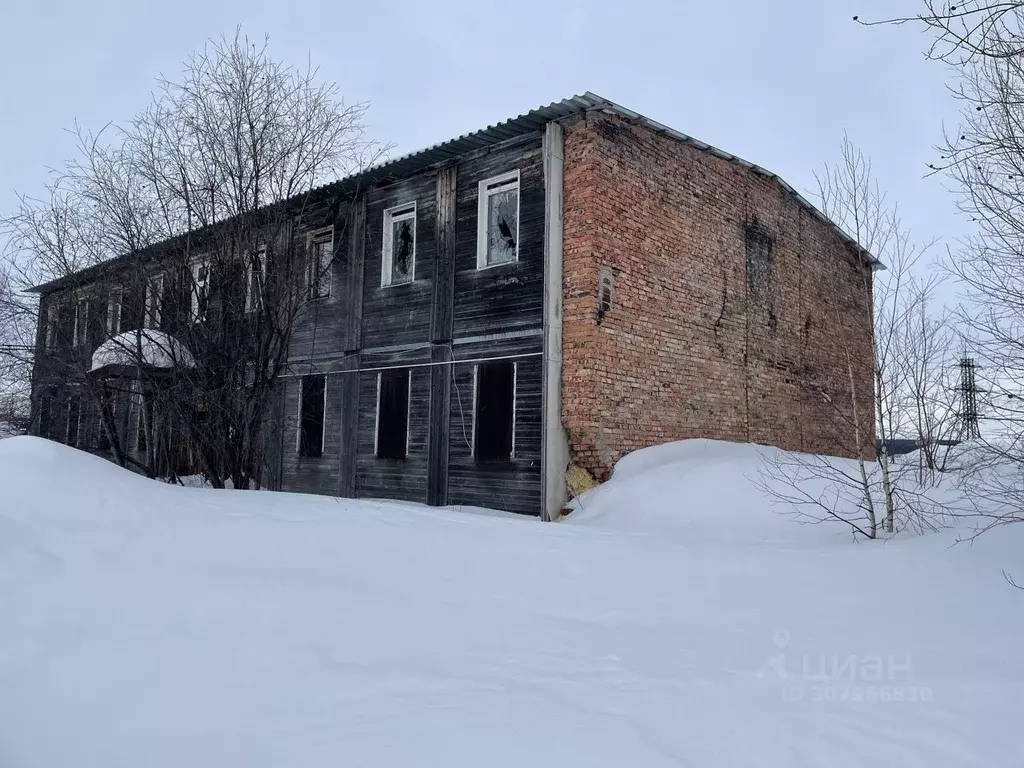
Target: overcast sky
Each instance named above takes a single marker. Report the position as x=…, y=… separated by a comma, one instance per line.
x=776, y=83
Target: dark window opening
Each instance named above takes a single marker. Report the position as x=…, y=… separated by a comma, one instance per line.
x=495, y=411
x=133, y=308
x=393, y=414
x=401, y=270
x=311, y=415
x=321, y=253
x=74, y=416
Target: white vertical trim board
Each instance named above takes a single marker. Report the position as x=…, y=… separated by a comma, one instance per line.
x=476, y=380
x=392, y=216
x=485, y=189
x=515, y=403
x=323, y=422
x=408, y=413
x=376, y=417
x=298, y=421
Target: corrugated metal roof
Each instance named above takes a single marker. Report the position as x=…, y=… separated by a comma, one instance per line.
x=527, y=123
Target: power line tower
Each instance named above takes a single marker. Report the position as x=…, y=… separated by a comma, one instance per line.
x=968, y=399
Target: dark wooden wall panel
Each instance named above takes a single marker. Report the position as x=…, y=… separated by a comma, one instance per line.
x=510, y=296
x=514, y=485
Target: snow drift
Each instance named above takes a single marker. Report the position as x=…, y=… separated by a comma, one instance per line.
x=672, y=620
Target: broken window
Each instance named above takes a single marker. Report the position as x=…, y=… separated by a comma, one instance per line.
x=759, y=262
x=82, y=323
x=494, y=417
x=74, y=419
x=498, y=221
x=399, y=253
x=321, y=253
x=312, y=405
x=255, y=278
x=604, y=293
x=393, y=414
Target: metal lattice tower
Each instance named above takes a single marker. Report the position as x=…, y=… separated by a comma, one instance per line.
x=969, y=399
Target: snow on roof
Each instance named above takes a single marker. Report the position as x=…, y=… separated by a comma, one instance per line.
x=154, y=349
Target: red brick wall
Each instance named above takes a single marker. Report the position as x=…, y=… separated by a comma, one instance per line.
x=687, y=349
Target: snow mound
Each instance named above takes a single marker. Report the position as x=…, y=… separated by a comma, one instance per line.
x=152, y=625
x=146, y=347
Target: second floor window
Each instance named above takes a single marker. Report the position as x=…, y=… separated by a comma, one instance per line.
x=114, y=312
x=51, y=327
x=81, y=323
x=318, y=268
x=255, y=279
x=399, y=252
x=200, y=290
x=154, y=301
x=497, y=239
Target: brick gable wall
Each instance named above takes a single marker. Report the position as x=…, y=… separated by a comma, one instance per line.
x=694, y=346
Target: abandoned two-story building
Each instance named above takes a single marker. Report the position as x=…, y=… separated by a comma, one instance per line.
x=564, y=287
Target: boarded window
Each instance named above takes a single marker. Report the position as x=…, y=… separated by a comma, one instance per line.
x=399, y=253
x=393, y=414
x=321, y=253
x=498, y=221
x=311, y=415
x=74, y=420
x=494, y=419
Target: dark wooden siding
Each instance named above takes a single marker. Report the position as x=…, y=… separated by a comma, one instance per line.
x=399, y=314
x=510, y=296
x=513, y=485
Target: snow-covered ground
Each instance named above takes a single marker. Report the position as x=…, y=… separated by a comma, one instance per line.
x=673, y=619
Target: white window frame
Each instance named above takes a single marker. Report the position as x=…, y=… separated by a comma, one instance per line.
x=323, y=428
x=50, y=341
x=75, y=341
x=114, y=328
x=488, y=187
x=393, y=216
x=154, y=297
x=408, y=415
x=324, y=235
x=261, y=276
x=197, y=265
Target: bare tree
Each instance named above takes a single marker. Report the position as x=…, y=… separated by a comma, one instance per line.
x=908, y=347
x=198, y=201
